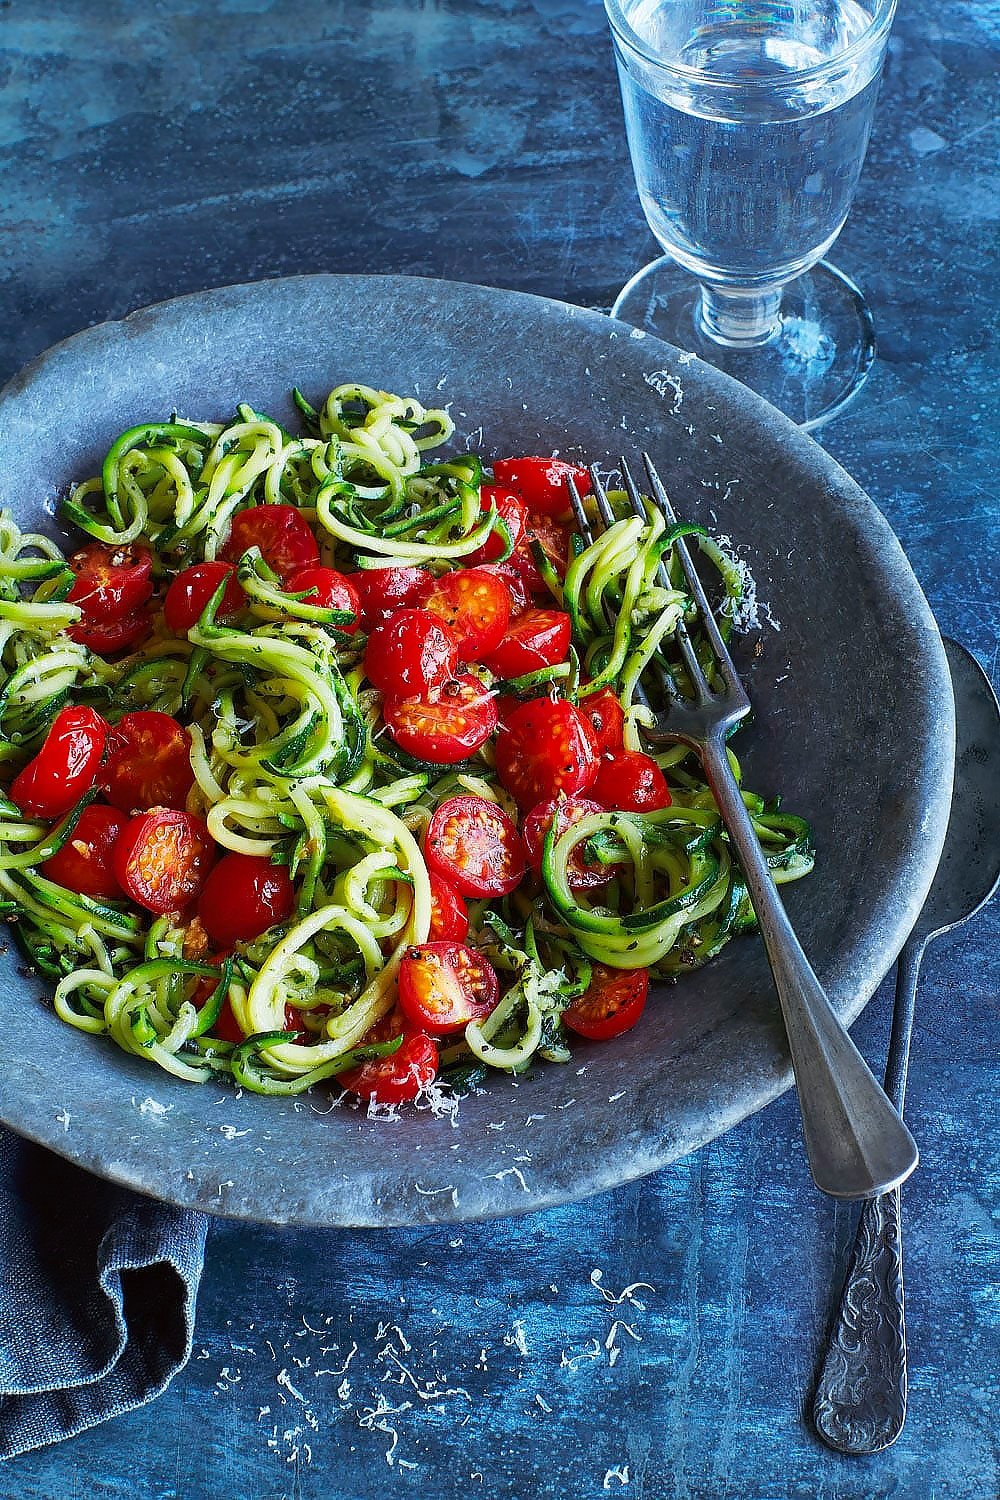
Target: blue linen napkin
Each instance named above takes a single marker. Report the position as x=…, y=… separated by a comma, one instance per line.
x=97, y=1297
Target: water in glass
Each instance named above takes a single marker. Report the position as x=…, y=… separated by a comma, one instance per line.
x=746, y=163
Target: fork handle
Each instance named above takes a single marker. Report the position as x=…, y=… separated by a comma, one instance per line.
x=855, y=1139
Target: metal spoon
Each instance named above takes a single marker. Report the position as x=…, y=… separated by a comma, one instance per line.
x=860, y=1403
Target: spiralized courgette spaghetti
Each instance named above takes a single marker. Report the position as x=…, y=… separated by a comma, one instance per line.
x=353, y=783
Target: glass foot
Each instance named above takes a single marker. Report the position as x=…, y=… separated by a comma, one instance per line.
x=811, y=367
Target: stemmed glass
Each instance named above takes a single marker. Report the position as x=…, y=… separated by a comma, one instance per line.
x=748, y=123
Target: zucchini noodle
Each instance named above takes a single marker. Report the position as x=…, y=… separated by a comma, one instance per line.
x=292, y=764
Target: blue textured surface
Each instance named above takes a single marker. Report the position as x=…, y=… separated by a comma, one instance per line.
x=196, y=144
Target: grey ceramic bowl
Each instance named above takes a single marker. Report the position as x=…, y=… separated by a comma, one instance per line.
x=854, y=727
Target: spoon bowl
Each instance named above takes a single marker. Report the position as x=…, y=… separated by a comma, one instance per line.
x=969, y=871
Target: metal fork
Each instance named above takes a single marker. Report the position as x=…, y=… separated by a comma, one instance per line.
x=858, y=1147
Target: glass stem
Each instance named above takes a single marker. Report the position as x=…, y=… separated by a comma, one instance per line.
x=740, y=320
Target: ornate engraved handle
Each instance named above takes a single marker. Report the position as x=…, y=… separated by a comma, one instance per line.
x=860, y=1403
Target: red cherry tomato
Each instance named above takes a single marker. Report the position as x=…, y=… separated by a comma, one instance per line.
x=282, y=534
x=148, y=762
x=541, y=482
x=446, y=725
x=327, y=589
x=474, y=844
x=243, y=896
x=510, y=511
x=111, y=581
x=606, y=718
x=226, y=1027
x=515, y=584
x=444, y=986
x=546, y=747
x=111, y=637
x=476, y=607
x=162, y=858
x=612, y=1003
x=538, y=638
x=554, y=542
x=84, y=862
x=566, y=811
x=507, y=704
x=293, y=1016
x=409, y=653
x=401, y=1076
x=388, y=1027
x=628, y=781
x=384, y=590
x=191, y=590
x=65, y=767
x=449, y=918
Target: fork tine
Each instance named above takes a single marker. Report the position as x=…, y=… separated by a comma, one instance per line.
x=587, y=532
x=691, y=662
x=601, y=496
x=635, y=499
x=582, y=520
x=694, y=583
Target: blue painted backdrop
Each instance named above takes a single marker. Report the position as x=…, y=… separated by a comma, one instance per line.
x=150, y=150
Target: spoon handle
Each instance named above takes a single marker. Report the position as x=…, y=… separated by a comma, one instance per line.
x=860, y=1402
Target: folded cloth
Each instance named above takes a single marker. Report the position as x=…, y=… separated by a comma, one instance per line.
x=97, y=1297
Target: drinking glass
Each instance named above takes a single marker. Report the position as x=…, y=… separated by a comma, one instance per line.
x=748, y=123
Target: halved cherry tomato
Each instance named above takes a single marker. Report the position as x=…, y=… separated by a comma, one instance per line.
x=384, y=590
x=162, y=858
x=474, y=844
x=545, y=747
x=449, y=918
x=402, y=1075
x=538, y=638
x=507, y=704
x=191, y=590
x=554, y=542
x=628, y=781
x=110, y=637
x=148, y=762
x=111, y=581
x=541, y=482
x=280, y=531
x=409, y=653
x=611, y=1004
x=243, y=896
x=65, y=767
x=606, y=717
x=510, y=511
x=444, y=986
x=566, y=811
x=476, y=607
x=84, y=862
x=327, y=589
x=515, y=583
x=388, y=1027
x=447, y=724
